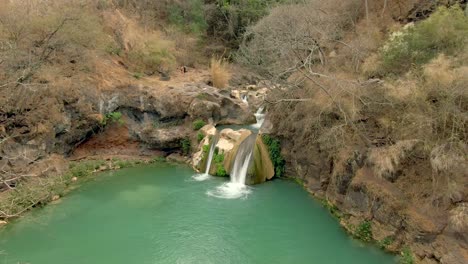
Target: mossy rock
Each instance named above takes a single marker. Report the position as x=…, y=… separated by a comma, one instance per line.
x=262, y=168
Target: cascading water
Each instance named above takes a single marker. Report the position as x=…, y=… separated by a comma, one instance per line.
x=206, y=175
x=236, y=188
x=260, y=116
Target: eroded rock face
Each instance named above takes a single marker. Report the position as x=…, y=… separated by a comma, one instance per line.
x=388, y=186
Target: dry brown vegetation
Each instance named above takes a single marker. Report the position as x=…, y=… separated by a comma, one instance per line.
x=220, y=72
x=357, y=93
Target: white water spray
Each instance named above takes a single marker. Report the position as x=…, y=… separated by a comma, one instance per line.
x=260, y=116
x=236, y=188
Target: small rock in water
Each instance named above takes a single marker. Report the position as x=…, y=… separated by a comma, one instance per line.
x=3, y=222
x=74, y=179
x=55, y=197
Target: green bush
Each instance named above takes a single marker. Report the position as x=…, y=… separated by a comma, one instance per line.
x=200, y=136
x=197, y=124
x=113, y=117
x=186, y=146
x=229, y=18
x=384, y=243
x=364, y=231
x=445, y=31
x=137, y=75
x=406, y=256
x=274, y=148
x=218, y=161
x=188, y=15
x=206, y=149
x=113, y=49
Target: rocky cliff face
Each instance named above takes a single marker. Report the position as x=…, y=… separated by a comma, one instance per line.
x=390, y=187
x=149, y=118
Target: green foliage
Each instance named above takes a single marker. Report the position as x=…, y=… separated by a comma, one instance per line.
x=274, y=148
x=197, y=124
x=333, y=209
x=186, y=146
x=364, y=231
x=85, y=168
x=113, y=49
x=218, y=160
x=206, y=149
x=188, y=15
x=445, y=31
x=158, y=159
x=200, y=136
x=113, y=117
x=384, y=243
x=137, y=75
x=230, y=18
x=406, y=256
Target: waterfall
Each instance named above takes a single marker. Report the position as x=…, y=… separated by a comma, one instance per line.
x=210, y=155
x=206, y=175
x=236, y=187
x=242, y=160
x=260, y=116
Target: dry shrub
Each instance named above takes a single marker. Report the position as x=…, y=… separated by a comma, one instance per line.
x=385, y=160
x=33, y=34
x=220, y=73
x=459, y=218
x=448, y=156
x=449, y=164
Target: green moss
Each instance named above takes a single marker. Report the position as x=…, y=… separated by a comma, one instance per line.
x=197, y=124
x=364, y=231
x=200, y=137
x=158, y=159
x=274, y=148
x=406, y=256
x=384, y=243
x=186, y=146
x=113, y=117
x=218, y=160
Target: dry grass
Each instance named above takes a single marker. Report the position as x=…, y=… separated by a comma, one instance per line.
x=447, y=156
x=385, y=160
x=220, y=72
x=459, y=218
